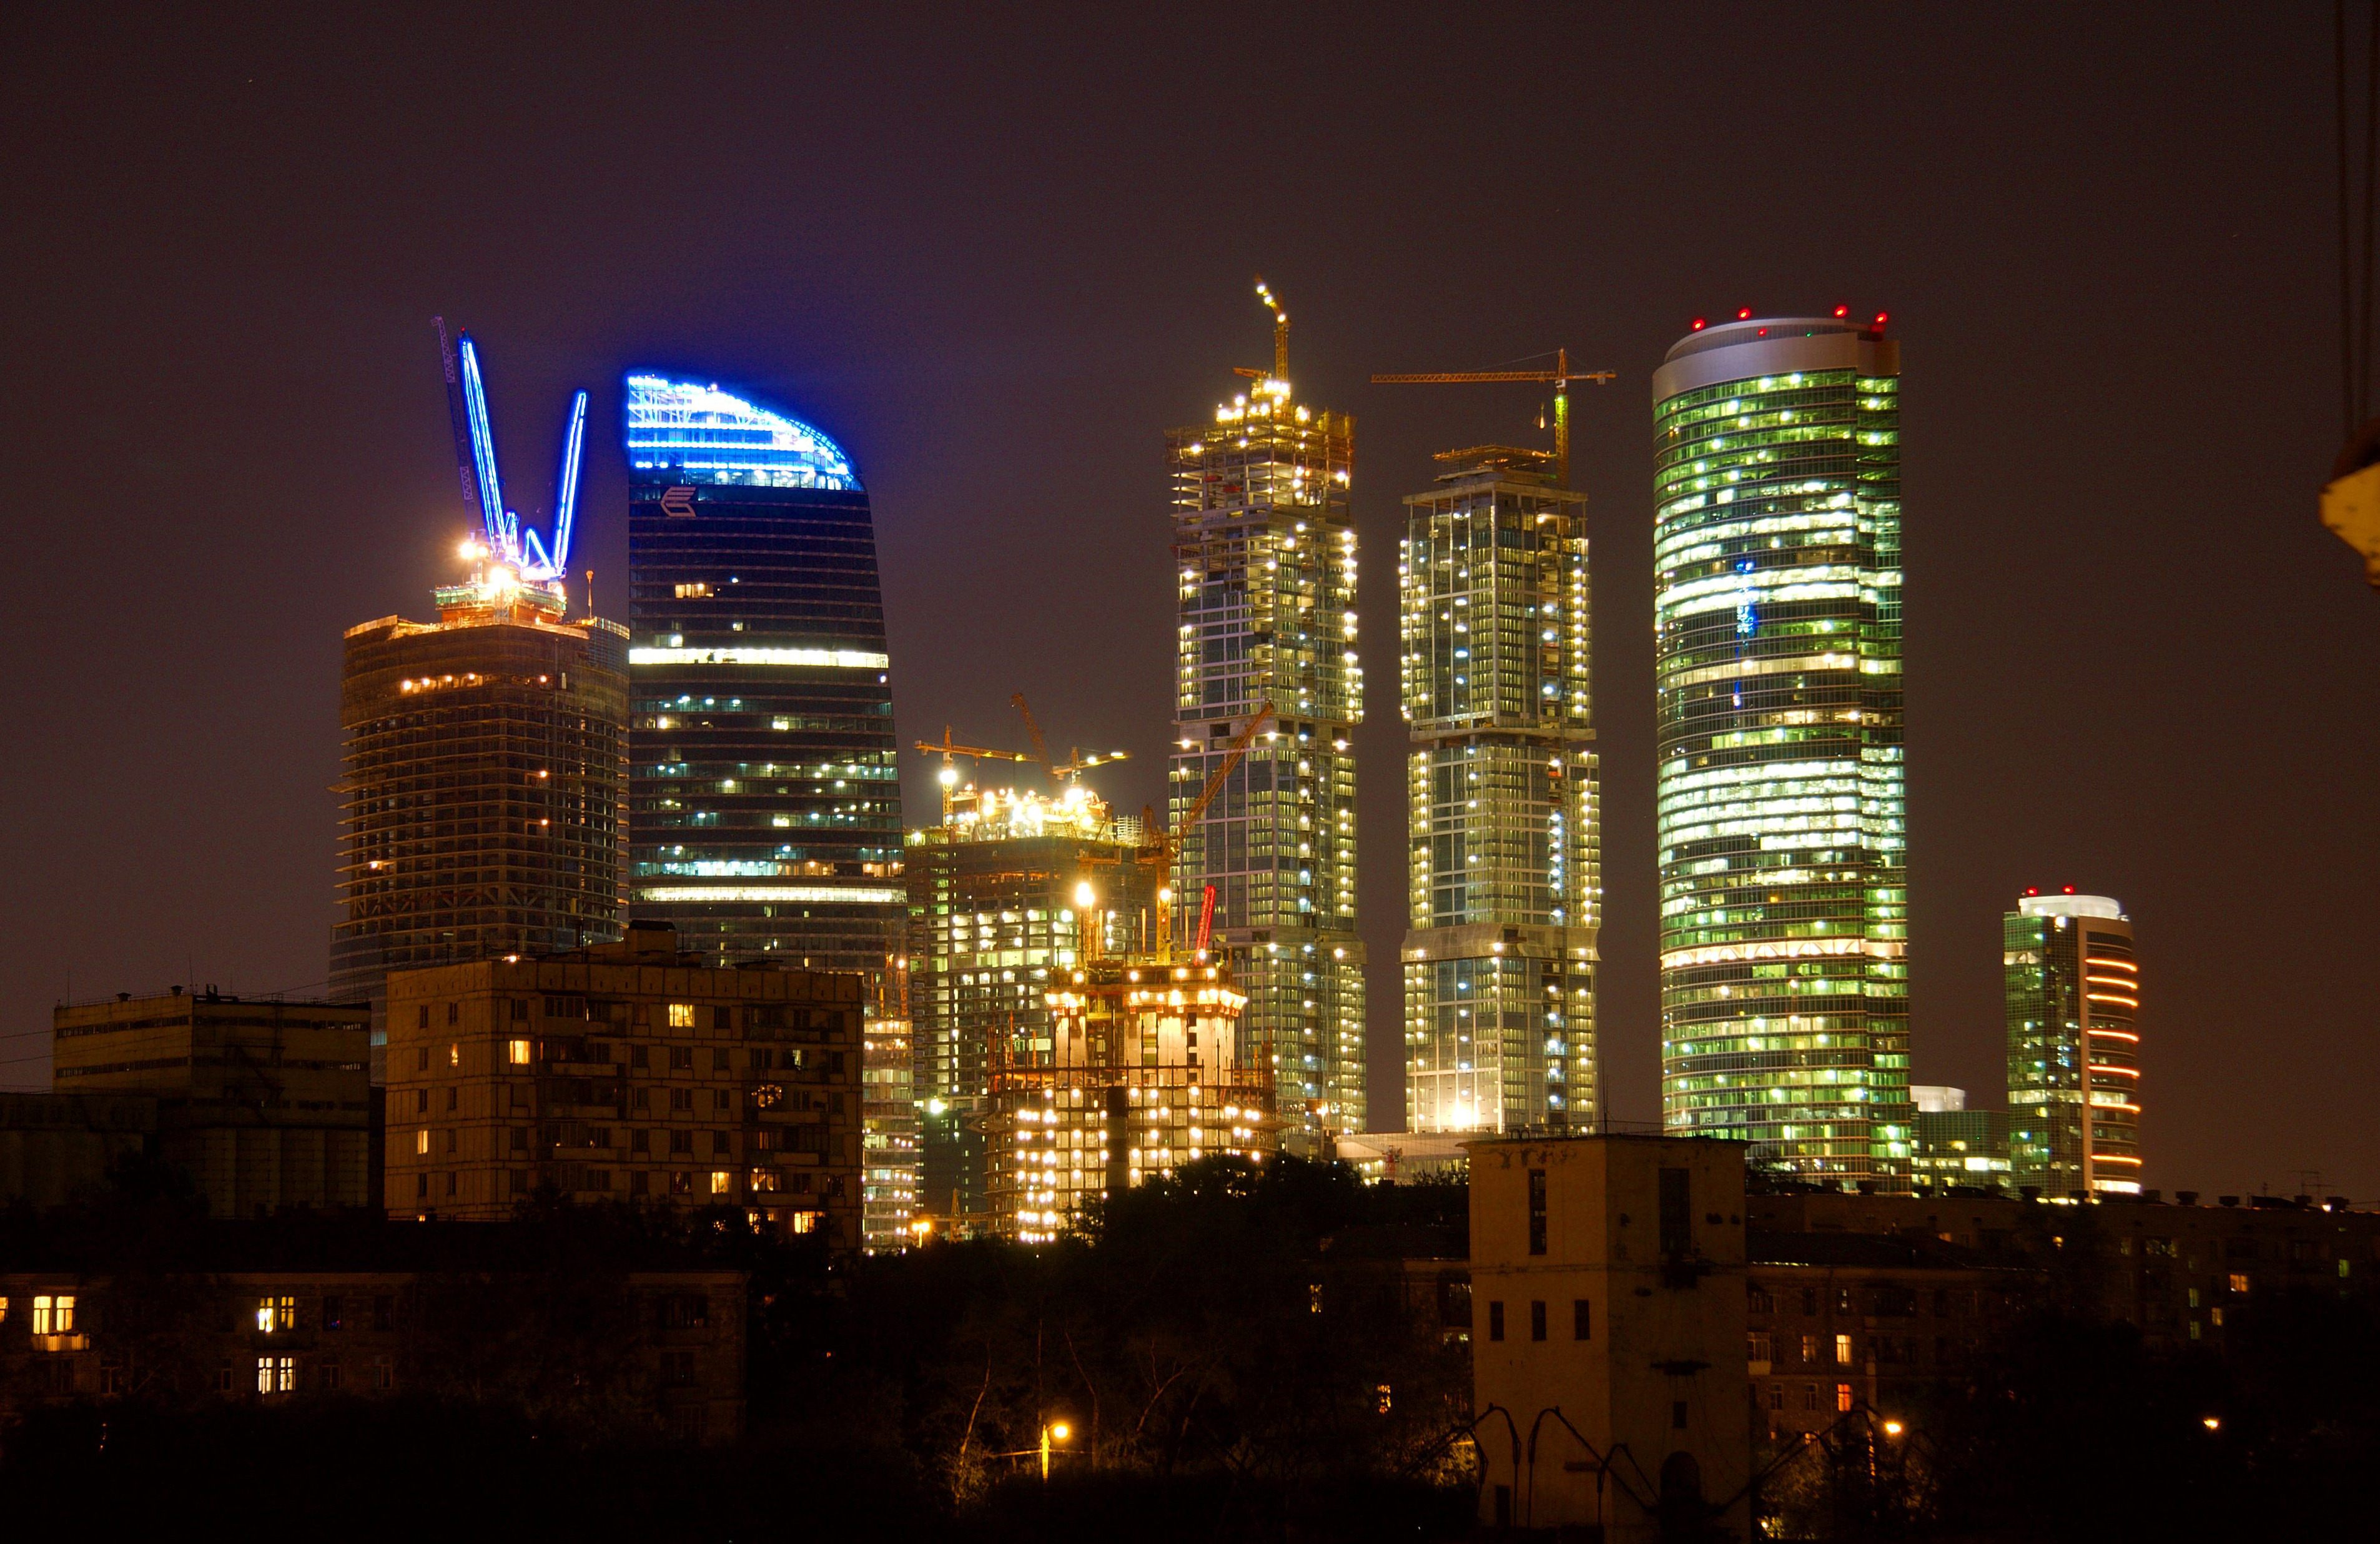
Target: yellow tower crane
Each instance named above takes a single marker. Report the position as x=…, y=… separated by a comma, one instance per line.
x=1076, y=764
x=950, y=749
x=1167, y=845
x=1559, y=377
x=1271, y=303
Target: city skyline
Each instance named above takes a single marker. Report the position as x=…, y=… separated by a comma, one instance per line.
x=1003, y=405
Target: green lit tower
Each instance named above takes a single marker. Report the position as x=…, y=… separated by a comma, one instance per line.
x=2073, y=992
x=1264, y=551
x=1499, y=966
x=1782, y=840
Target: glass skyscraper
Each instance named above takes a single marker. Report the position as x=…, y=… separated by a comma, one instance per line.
x=1500, y=780
x=2074, y=1045
x=764, y=801
x=1263, y=553
x=1782, y=842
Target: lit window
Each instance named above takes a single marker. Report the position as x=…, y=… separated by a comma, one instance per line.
x=275, y=1313
x=422, y=1140
x=54, y=1316
x=454, y=1055
x=681, y=1016
x=1843, y=1353
x=723, y=1182
x=2239, y=1282
x=801, y=1222
x=1843, y=1397
x=276, y=1374
x=518, y=1052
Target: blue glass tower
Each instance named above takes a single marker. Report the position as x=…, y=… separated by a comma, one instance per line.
x=764, y=801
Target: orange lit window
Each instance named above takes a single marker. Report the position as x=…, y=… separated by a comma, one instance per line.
x=681, y=1016
x=802, y=1221
x=1842, y=1396
x=54, y=1316
x=723, y=1182
x=518, y=1052
x=2239, y=1282
x=1843, y=1353
x=422, y=1140
x=276, y=1374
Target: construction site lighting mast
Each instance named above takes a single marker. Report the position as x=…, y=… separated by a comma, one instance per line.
x=1560, y=377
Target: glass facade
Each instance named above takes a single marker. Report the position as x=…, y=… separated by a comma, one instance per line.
x=1782, y=840
x=2074, y=1045
x=481, y=789
x=764, y=795
x=1505, y=840
x=1265, y=562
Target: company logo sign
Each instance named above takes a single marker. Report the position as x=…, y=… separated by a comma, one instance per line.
x=678, y=502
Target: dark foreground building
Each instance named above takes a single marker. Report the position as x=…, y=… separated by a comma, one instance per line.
x=765, y=802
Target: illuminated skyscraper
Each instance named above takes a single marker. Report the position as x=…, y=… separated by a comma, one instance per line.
x=485, y=752
x=1265, y=564
x=1505, y=845
x=996, y=919
x=764, y=801
x=1782, y=847
x=481, y=810
x=2074, y=1045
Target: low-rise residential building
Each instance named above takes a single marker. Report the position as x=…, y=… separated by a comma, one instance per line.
x=667, y=1347
x=265, y=1104
x=626, y=1072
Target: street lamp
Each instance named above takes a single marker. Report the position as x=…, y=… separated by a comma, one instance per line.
x=1057, y=1432
x=1892, y=1429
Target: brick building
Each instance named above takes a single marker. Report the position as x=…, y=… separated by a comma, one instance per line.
x=627, y=1071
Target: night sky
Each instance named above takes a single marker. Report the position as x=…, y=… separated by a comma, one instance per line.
x=996, y=253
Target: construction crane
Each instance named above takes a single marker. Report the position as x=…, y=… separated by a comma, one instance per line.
x=950, y=749
x=1168, y=843
x=1076, y=762
x=1559, y=377
x=1279, y=338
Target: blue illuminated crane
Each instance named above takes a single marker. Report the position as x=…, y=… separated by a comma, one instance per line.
x=475, y=450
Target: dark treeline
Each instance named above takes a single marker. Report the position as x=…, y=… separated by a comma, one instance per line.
x=1229, y=1354
x=1233, y=1354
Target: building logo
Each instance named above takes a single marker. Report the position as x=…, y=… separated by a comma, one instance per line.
x=678, y=502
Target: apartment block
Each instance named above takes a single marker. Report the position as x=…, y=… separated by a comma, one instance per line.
x=627, y=1071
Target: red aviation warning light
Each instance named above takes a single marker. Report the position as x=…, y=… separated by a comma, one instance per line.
x=1744, y=315
x=1842, y=311
x=1700, y=325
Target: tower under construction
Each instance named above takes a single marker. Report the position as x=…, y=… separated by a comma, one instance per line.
x=1263, y=553
x=1503, y=823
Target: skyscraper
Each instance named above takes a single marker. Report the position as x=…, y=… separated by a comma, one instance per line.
x=485, y=752
x=1264, y=556
x=1782, y=846
x=481, y=809
x=997, y=918
x=764, y=799
x=1499, y=965
x=2073, y=1044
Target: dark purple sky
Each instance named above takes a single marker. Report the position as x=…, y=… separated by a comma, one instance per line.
x=996, y=257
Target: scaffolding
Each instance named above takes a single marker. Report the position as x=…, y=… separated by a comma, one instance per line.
x=1141, y=1074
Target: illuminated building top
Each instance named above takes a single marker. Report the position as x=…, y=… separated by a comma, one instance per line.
x=975, y=814
x=694, y=433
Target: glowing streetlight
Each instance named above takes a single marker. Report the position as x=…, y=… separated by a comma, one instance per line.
x=1892, y=1429
x=2212, y=1423
x=1058, y=1433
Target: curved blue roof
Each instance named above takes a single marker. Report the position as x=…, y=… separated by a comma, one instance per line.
x=698, y=433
